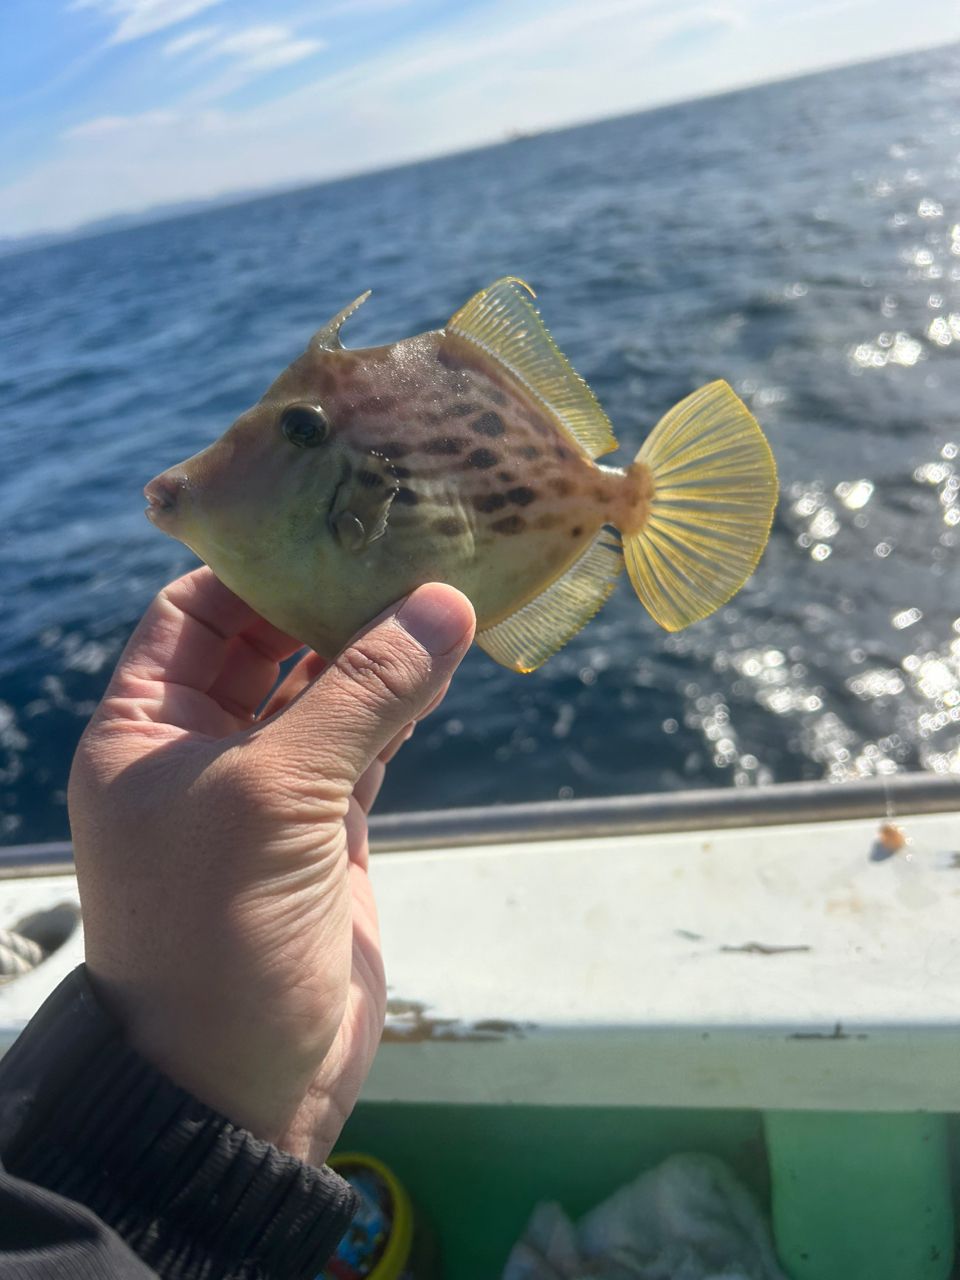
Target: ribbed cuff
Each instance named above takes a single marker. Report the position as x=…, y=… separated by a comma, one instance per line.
x=83, y=1114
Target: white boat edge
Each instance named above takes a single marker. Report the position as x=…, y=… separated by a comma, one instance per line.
x=702, y=949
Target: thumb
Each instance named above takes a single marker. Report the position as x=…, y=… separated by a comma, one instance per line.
x=386, y=676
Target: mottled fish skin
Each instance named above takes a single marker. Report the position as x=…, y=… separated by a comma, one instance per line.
x=492, y=495
x=500, y=493
x=466, y=455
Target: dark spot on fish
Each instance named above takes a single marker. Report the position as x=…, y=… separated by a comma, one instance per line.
x=562, y=452
x=369, y=479
x=449, y=526
x=506, y=476
x=489, y=424
x=407, y=496
x=488, y=502
x=482, y=458
x=563, y=488
x=443, y=445
x=496, y=395
x=521, y=496
x=462, y=409
x=509, y=524
x=576, y=531
x=529, y=451
x=399, y=473
x=393, y=449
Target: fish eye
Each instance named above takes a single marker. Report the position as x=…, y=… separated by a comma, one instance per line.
x=305, y=425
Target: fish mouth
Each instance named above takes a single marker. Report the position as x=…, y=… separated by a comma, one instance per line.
x=163, y=496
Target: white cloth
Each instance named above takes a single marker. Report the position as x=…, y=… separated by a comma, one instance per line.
x=688, y=1219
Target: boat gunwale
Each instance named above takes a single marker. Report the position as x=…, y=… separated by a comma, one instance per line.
x=779, y=804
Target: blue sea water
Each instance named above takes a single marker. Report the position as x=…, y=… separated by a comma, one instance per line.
x=801, y=240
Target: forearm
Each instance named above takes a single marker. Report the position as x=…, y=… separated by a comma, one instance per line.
x=129, y=1176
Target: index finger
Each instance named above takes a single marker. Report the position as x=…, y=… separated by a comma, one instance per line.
x=187, y=633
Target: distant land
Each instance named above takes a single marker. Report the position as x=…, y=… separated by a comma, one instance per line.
x=138, y=218
x=183, y=208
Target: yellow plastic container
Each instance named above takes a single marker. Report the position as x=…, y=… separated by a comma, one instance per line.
x=381, y=1243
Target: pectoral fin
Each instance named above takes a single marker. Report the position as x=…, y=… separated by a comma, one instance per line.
x=362, y=502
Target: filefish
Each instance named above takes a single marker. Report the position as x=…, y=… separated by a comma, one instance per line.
x=468, y=455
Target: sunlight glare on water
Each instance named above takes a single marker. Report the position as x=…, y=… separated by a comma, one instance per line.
x=801, y=240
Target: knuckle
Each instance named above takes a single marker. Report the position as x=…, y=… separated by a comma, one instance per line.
x=375, y=672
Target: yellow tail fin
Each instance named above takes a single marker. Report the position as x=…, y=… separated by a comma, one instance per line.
x=715, y=490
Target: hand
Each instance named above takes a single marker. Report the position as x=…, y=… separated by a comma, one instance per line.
x=222, y=857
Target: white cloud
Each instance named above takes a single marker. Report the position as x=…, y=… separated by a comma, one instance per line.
x=725, y=17
x=105, y=125
x=247, y=53
x=138, y=18
x=252, y=39
x=283, y=55
x=486, y=74
x=362, y=8
x=190, y=40
x=819, y=9
x=267, y=47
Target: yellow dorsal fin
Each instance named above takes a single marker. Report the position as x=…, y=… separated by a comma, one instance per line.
x=538, y=629
x=505, y=324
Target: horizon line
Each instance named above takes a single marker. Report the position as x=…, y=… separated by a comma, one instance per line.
x=229, y=199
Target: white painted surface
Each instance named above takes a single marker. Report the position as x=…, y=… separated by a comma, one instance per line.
x=593, y=972
x=587, y=947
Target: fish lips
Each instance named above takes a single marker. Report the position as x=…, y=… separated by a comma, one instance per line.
x=165, y=496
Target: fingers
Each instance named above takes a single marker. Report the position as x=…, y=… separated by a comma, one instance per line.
x=369, y=784
x=296, y=680
x=358, y=844
x=385, y=678
x=436, y=702
x=189, y=635
x=396, y=742
x=250, y=668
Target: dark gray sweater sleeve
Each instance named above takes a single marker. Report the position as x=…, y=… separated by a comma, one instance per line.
x=110, y=1171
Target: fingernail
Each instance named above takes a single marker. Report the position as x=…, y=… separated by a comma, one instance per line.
x=434, y=623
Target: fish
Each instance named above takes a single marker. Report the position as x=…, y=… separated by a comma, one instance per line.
x=468, y=455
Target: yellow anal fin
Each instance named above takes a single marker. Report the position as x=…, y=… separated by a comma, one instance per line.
x=526, y=639
x=504, y=323
x=715, y=490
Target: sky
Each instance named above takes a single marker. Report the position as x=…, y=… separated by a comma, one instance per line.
x=118, y=106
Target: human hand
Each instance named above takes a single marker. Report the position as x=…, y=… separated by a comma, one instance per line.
x=222, y=858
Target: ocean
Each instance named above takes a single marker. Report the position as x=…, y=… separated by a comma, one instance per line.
x=801, y=240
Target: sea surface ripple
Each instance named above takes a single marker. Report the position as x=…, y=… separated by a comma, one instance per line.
x=801, y=240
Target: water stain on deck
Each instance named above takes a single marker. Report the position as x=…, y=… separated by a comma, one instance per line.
x=765, y=948
x=410, y=1021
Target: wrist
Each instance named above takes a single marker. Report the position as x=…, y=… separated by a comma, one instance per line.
x=98, y=1123
x=218, y=1060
